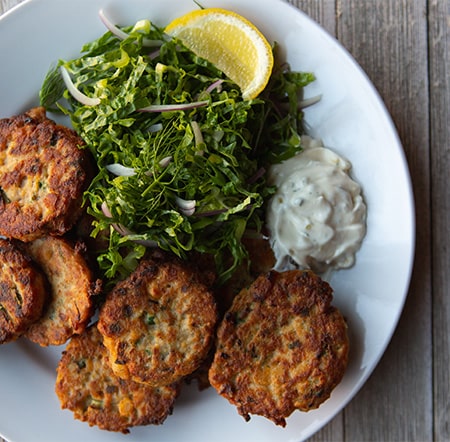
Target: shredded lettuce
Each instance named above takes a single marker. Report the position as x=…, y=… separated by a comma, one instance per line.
x=211, y=156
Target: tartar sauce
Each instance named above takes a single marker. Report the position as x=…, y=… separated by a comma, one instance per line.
x=317, y=217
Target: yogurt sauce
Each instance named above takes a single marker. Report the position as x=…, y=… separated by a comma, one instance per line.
x=317, y=217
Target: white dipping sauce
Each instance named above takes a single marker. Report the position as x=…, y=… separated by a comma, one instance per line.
x=317, y=218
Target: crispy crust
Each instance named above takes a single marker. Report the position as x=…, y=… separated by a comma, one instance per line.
x=43, y=174
x=281, y=347
x=87, y=386
x=72, y=287
x=22, y=292
x=158, y=325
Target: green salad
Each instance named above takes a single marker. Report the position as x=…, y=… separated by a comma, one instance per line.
x=181, y=157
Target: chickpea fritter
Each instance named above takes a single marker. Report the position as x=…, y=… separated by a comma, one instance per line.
x=72, y=288
x=159, y=323
x=281, y=347
x=86, y=385
x=43, y=174
x=22, y=292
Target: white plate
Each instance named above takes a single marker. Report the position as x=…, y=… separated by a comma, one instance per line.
x=350, y=119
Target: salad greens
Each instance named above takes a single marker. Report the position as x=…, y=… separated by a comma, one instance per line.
x=181, y=156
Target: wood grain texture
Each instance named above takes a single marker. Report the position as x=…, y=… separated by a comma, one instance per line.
x=439, y=70
x=5, y=5
x=389, y=40
x=404, y=47
x=323, y=12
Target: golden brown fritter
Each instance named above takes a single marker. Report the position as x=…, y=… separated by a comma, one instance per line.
x=86, y=385
x=72, y=287
x=261, y=260
x=43, y=174
x=281, y=347
x=22, y=292
x=158, y=324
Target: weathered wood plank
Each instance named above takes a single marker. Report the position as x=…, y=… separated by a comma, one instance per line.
x=5, y=5
x=439, y=48
x=388, y=38
x=322, y=11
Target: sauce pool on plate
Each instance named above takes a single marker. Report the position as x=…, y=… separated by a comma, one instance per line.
x=317, y=217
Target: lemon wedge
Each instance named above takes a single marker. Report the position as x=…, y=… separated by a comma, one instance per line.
x=229, y=41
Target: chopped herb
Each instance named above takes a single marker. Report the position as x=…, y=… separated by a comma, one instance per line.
x=294, y=344
x=149, y=319
x=95, y=403
x=81, y=364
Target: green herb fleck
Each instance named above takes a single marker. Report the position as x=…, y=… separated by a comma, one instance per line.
x=149, y=319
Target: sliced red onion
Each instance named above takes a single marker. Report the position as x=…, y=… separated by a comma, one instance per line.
x=188, y=212
x=165, y=161
x=216, y=85
x=146, y=242
x=111, y=27
x=198, y=136
x=155, y=127
x=259, y=173
x=123, y=35
x=154, y=54
x=185, y=204
x=173, y=107
x=309, y=101
x=122, y=230
x=79, y=96
x=117, y=227
x=105, y=210
x=187, y=207
x=211, y=213
x=119, y=170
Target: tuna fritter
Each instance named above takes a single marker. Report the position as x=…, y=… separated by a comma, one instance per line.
x=86, y=385
x=158, y=324
x=71, y=290
x=281, y=347
x=22, y=292
x=43, y=174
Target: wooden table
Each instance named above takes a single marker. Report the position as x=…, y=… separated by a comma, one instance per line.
x=404, y=47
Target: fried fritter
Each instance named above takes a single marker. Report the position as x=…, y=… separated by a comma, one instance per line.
x=86, y=385
x=158, y=324
x=261, y=260
x=22, y=292
x=43, y=174
x=72, y=288
x=281, y=347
